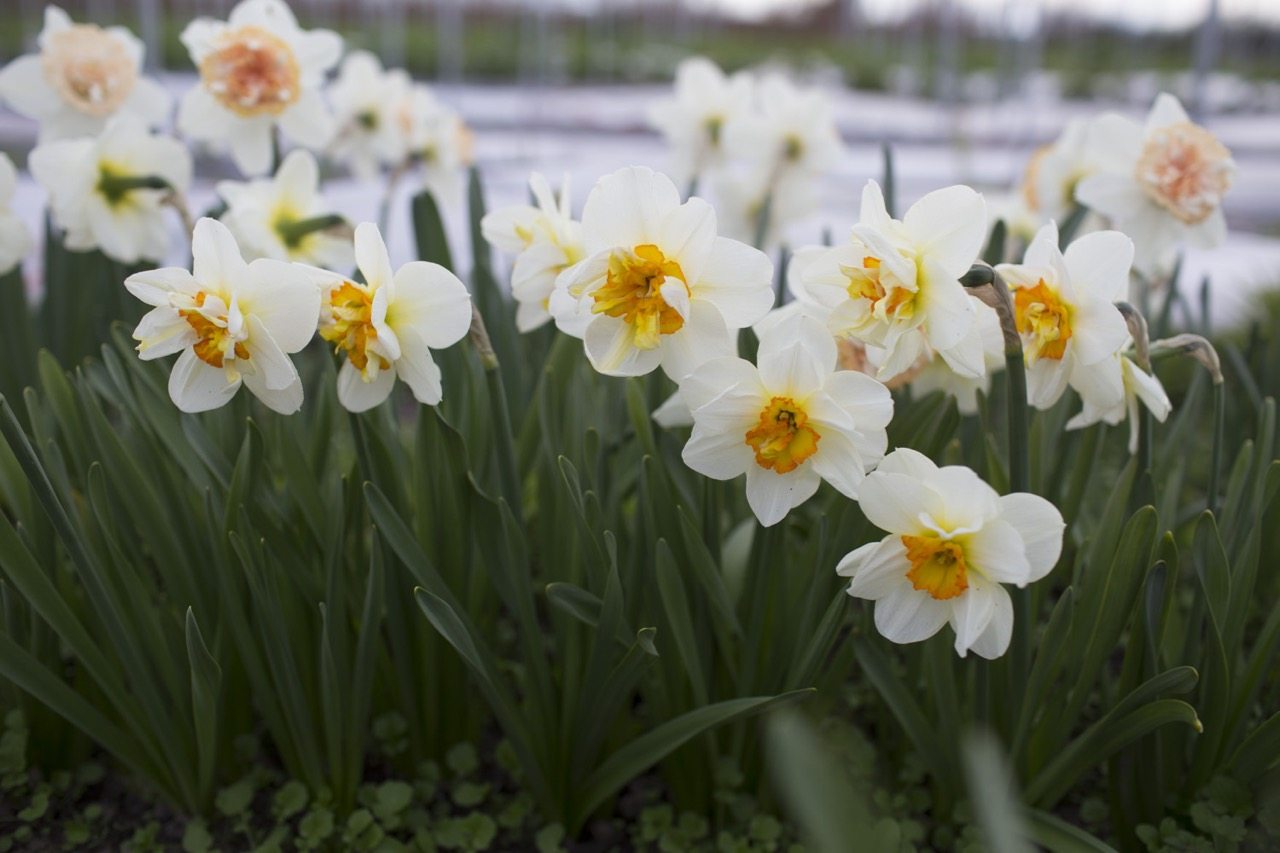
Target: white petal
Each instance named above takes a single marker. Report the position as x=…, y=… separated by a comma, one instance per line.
x=431, y=300
x=251, y=145
x=1047, y=381
x=1165, y=111
x=686, y=235
x=702, y=338
x=1098, y=331
x=371, y=255
x=738, y=280
x=216, y=259
x=718, y=454
x=198, y=387
x=910, y=463
x=418, y=368
x=718, y=377
x=357, y=395
x=308, y=122
x=611, y=349
x=838, y=461
x=907, y=615
x=1116, y=196
x=772, y=495
x=873, y=213
x=154, y=286
x=284, y=299
x=271, y=367
x=972, y=611
x=994, y=641
x=162, y=332
x=1040, y=525
x=949, y=314
x=876, y=569
x=948, y=226
x=1099, y=263
x=673, y=413
x=998, y=552
x=25, y=90
x=627, y=208
x=286, y=400
x=893, y=502
x=1148, y=389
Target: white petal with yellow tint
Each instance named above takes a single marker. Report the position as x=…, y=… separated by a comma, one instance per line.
x=198, y=387
x=973, y=611
x=1040, y=525
x=358, y=395
x=948, y=226
x=1099, y=263
x=431, y=300
x=738, y=280
x=628, y=208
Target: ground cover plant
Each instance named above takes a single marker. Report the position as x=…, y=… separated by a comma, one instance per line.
x=950, y=533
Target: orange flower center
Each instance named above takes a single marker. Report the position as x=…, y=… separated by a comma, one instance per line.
x=937, y=566
x=252, y=72
x=89, y=68
x=215, y=342
x=350, y=327
x=632, y=291
x=1186, y=170
x=1043, y=320
x=781, y=438
x=865, y=283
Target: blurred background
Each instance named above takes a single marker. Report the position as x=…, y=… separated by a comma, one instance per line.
x=963, y=90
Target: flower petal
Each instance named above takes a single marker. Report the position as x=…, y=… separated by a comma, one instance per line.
x=198, y=387
x=1099, y=263
x=357, y=395
x=907, y=615
x=772, y=495
x=948, y=226
x=1040, y=525
x=431, y=300
x=876, y=569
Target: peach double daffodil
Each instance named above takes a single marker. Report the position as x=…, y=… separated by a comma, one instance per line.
x=657, y=286
x=387, y=325
x=952, y=543
x=788, y=424
x=258, y=71
x=233, y=323
x=896, y=284
x=1064, y=310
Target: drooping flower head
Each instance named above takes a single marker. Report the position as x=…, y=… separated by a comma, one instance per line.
x=896, y=284
x=366, y=101
x=693, y=120
x=545, y=241
x=273, y=217
x=387, y=325
x=658, y=287
x=1163, y=184
x=1138, y=387
x=788, y=424
x=233, y=323
x=15, y=239
x=952, y=543
x=82, y=76
x=258, y=70
x=1064, y=309
x=100, y=191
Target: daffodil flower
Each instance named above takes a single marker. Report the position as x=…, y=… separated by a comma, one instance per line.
x=896, y=284
x=545, y=240
x=790, y=423
x=438, y=140
x=1065, y=312
x=704, y=102
x=258, y=71
x=233, y=323
x=366, y=101
x=1162, y=183
x=1138, y=387
x=387, y=326
x=109, y=193
x=82, y=76
x=952, y=543
x=286, y=217
x=657, y=287
x=15, y=239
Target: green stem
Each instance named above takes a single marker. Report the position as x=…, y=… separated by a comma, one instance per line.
x=115, y=187
x=504, y=439
x=1215, y=458
x=763, y=215
x=294, y=231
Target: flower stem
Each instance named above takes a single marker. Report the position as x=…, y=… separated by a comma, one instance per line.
x=504, y=440
x=294, y=232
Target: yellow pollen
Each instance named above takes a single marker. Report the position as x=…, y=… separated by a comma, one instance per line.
x=865, y=283
x=252, y=72
x=632, y=291
x=214, y=340
x=89, y=68
x=782, y=439
x=1186, y=170
x=937, y=566
x=351, y=329
x=1046, y=319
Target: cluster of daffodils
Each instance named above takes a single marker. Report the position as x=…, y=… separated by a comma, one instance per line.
x=1161, y=182
x=111, y=168
x=234, y=323
x=759, y=142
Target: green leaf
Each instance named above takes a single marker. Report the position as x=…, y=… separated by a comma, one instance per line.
x=656, y=744
x=1057, y=836
x=206, y=685
x=676, y=606
x=428, y=230
x=993, y=795
x=901, y=702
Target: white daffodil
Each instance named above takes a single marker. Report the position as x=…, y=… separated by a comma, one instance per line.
x=1162, y=183
x=745, y=193
x=938, y=375
x=658, y=287
x=15, y=239
x=896, y=284
x=286, y=217
x=788, y=424
x=693, y=120
x=545, y=241
x=109, y=193
x=794, y=130
x=439, y=140
x=1139, y=387
x=366, y=102
x=233, y=323
x=258, y=70
x=1055, y=170
x=81, y=77
x=953, y=542
x=388, y=325
x=1064, y=309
